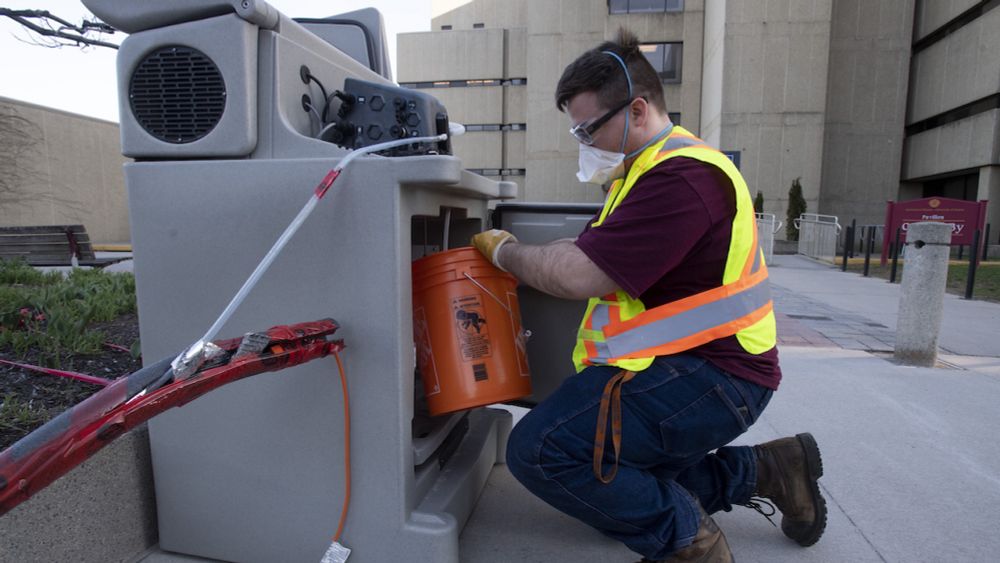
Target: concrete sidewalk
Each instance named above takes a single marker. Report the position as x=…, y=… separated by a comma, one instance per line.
x=910, y=473
x=806, y=288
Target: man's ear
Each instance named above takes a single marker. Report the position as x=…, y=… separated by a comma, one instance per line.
x=640, y=111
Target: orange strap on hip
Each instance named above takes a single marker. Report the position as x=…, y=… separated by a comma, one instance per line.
x=612, y=397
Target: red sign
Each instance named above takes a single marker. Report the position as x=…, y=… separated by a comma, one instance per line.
x=965, y=218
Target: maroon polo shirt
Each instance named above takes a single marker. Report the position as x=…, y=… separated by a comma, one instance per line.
x=669, y=239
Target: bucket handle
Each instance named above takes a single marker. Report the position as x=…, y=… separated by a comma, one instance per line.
x=526, y=334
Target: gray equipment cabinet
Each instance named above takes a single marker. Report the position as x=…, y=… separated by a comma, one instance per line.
x=254, y=471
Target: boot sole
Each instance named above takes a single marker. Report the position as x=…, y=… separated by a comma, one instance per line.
x=814, y=465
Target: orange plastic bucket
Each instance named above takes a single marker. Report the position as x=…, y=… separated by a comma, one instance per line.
x=467, y=330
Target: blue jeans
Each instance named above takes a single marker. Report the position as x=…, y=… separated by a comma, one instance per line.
x=673, y=414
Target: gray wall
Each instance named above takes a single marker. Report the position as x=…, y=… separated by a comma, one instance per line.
x=961, y=68
x=464, y=53
x=932, y=14
x=820, y=90
x=956, y=146
x=774, y=95
x=73, y=174
x=462, y=14
x=542, y=38
x=866, y=101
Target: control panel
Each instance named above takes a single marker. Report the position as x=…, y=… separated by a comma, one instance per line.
x=371, y=113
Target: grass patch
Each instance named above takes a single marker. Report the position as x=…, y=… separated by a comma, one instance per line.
x=20, y=416
x=987, y=286
x=50, y=313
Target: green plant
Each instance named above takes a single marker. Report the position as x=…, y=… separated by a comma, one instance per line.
x=18, y=272
x=18, y=415
x=758, y=203
x=52, y=314
x=796, y=207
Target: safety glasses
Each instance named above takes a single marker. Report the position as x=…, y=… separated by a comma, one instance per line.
x=584, y=132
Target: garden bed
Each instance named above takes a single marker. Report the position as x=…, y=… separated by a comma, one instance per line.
x=84, y=322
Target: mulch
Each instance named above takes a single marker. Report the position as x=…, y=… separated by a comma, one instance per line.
x=52, y=394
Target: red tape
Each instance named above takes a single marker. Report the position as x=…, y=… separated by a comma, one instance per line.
x=326, y=183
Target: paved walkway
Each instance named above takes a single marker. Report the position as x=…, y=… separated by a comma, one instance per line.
x=859, y=313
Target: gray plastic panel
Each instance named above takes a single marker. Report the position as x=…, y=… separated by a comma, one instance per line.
x=231, y=43
x=553, y=322
x=254, y=471
x=132, y=17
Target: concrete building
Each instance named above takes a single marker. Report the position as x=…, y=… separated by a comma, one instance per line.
x=952, y=145
x=863, y=100
x=61, y=169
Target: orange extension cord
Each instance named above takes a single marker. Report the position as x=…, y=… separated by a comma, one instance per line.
x=347, y=449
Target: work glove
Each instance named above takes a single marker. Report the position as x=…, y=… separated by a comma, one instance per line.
x=489, y=243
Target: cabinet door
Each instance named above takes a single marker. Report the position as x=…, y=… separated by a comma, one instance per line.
x=552, y=321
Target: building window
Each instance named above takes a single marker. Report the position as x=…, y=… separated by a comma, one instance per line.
x=478, y=25
x=666, y=60
x=644, y=6
x=445, y=28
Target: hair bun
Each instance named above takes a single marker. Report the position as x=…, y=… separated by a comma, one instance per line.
x=628, y=43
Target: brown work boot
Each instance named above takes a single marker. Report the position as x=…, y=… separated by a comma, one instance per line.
x=709, y=546
x=787, y=471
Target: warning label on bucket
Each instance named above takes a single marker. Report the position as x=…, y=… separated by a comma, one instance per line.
x=473, y=333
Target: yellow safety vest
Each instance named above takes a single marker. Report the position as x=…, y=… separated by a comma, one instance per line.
x=618, y=330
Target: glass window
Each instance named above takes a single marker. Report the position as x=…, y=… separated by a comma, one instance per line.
x=445, y=27
x=478, y=25
x=644, y=6
x=666, y=59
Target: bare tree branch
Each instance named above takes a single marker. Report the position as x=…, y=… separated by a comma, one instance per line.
x=18, y=138
x=61, y=31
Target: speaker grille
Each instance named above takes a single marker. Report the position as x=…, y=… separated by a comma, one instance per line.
x=177, y=94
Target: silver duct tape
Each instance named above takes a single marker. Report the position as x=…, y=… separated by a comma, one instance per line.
x=252, y=343
x=188, y=363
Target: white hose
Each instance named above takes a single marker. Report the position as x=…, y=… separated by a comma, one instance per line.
x=190, y=360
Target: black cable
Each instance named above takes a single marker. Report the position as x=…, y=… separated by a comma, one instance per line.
x=325, y=98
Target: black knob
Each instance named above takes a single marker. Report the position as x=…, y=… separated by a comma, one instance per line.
x=413, y=120
x=377, y=103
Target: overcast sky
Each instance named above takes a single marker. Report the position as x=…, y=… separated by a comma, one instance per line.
x=83, y=80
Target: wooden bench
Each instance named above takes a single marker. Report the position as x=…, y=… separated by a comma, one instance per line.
x=51, y=245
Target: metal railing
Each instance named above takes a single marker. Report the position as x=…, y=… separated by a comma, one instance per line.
x=818, y=236
x=767, y=227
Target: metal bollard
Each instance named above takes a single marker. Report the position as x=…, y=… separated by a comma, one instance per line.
x=922, y=293
x=896, y=250
x=869, y=240
x=848, y=241
x=970, y=281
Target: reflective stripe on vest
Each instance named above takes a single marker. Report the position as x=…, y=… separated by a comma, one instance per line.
x=618, y=330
